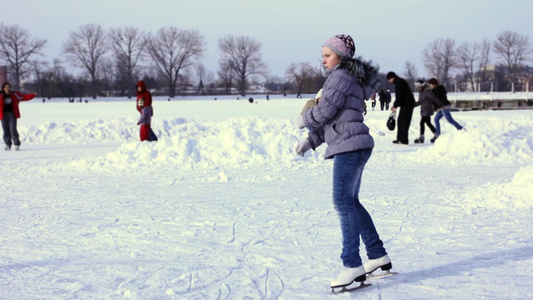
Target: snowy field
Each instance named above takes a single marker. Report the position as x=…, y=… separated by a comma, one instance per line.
x=221, y=208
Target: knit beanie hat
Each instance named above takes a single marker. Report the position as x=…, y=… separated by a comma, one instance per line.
x=342, y=44
x=391, y=75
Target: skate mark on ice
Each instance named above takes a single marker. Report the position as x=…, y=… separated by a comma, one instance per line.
x=224, y=292
x=308, y=278
x=274, y=285
x=270, y=285
x=316, y=235
x=401, y=227
x=12, y=227
x=233, y=233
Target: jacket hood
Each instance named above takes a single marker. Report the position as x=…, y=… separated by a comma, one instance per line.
x=365, y=71
x=142, y=85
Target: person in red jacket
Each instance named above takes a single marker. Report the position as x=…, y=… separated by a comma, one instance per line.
x=9, y=113
x=144, y=106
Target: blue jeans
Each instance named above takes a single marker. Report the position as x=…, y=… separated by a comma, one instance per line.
x=446, y=112
x=355, y=221
x=9, y=125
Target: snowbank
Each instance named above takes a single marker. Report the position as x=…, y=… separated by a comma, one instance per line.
x=242, y=142
x=187, y=144
x=514, y=194
x=491, y=140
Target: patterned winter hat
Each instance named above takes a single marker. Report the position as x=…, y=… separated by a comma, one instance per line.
x=341, y=44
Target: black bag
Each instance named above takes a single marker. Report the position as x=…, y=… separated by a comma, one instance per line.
x=391, y=122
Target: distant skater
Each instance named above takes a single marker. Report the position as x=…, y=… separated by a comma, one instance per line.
x=406, y=101
x=441, y=94
x=388, y=98
x=144, y=106
x=428, y=103
x=382, y=98
x=9, y=113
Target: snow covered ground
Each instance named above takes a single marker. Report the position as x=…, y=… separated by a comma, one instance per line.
x=221, y=208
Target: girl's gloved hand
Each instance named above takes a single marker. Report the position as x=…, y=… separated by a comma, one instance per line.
x=302, y=147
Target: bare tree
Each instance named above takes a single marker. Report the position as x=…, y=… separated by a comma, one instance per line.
x=467, y=55
x=209, y=82
x=17, y=46
x=298, y=73
x=513, y=48
x=410, y=73
x=242, y=55
x=85, y=48
x=56, y=81
x=58, y=72
x=106, y=75
x=185, y=81
x=205, y=79
x=39, y=68
x=54, y=77
x=201, y=73
x=439, y=58
x=484, y=59
x=226, y=75
x=128, y=46
x=174, y=50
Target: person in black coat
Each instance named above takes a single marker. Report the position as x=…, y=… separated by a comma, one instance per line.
x=405, y=100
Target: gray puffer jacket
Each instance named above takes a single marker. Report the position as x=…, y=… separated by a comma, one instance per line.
x=338, y=118
x=428, y=103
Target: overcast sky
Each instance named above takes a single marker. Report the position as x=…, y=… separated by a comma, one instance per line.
x=385, y=31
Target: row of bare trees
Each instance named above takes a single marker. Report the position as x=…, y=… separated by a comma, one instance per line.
x=115, y=57
x=171, y=51
x=469, y=61
x=17, y=48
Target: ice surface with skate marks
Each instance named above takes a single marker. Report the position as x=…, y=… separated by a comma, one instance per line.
x=221, y=207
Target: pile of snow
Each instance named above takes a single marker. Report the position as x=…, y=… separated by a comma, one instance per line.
x=82, y=132
x=493, y=140
x=242, y=142
x=187, y=144
x=515, y=194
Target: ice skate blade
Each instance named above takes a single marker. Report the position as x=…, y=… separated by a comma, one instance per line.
x=382, y=275
x=349, y=288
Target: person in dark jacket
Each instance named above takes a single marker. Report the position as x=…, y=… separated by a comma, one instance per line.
x=338, y=121
x=406, y=101
x=441, y=94
x=382, y=98
x=144, y=106
x=9, y=113
x=387, y=99
x=428, y=103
